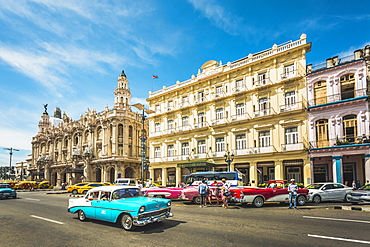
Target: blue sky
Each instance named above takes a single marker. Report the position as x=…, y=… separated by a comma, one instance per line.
x=68, y=54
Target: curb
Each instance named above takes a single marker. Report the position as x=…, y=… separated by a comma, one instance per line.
x=353, y=208
x=71, y=195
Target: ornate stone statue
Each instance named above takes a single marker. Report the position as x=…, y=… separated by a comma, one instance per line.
x=46, y=108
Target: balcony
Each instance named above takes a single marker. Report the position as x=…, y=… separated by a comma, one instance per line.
x=291, y=107
x=241, y=151
x=170, y=158
x=240, y=117
x=156, y=160
x=337, y=97
x=262, y=82
x=292, y=147
x=239, y=89
x=289, y=75
x=201, y=125
x=156, y=133
x=261, y=150
x=200, y=156
x=219, y=121
x=264, y=112
x=184, y=128
x=201, y=100
x=218, y=154
x=345, y=140
x=170, y=131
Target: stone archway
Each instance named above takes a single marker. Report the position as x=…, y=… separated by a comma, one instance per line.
x=53, y=178
x=98, y=174
x=129, y=172
x=112, y=175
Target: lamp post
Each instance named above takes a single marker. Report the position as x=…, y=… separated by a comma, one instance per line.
x=228, y=159
x=11, y=154
x=143, y=136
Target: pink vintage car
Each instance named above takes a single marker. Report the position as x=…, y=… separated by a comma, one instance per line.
x=191, y=194
x=163, y=192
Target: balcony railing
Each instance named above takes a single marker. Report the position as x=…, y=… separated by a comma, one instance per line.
x=292, y=147
x=170, y=131
x=337, y=97
x=201, y=125
x=262, y=82
x=219, y=121
x=184, y=128
x=345, y=140
x=201, y=100
x=156, y=133
x=264, y=112
x=200, y=156
x=260, y=150
x=218, y=154
x=292, y=107
x=289, y=75
x=239, y=89
x=239, y=117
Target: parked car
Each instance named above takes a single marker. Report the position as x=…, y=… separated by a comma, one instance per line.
x=24, y=185
x=319, y=192
x=6, y=191
x=120, y=204
x=163, y=192
x=275, y=191
x=44, y=185
x=191, y=194
x=125, y=181
x=73, y=187
x=85, y=188
x=362, y=195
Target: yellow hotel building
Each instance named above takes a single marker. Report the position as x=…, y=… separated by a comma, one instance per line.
x=249, y=115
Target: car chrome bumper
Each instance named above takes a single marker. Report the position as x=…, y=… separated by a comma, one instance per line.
x=153, y=219
x=358, y=199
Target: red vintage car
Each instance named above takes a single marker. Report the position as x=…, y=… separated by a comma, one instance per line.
x=163, y=192
x=276, y=191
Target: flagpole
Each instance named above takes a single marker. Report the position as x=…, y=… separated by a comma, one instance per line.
x=152, y=83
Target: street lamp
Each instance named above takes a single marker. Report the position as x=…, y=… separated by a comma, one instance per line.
x=143, y=136
x=228, y=159
x=11, y=154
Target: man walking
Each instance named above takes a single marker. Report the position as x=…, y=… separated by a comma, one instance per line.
x=203, y=189
x=293, y=191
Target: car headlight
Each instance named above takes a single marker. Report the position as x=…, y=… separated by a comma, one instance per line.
x=169, y=203
x=142, y=209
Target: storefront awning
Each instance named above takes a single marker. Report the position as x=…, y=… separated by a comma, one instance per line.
x=200, y=163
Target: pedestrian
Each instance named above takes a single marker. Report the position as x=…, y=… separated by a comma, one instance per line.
x=63, y=186
x=225, y=193
x=354, y=186
x=346, y=183
x=140, y=185
x=367, y=182
x=293, y=191
x=216, y=191
x=202, y=189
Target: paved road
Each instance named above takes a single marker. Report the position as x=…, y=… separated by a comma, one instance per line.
x=37, y=219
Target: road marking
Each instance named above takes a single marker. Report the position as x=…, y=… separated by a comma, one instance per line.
x=341, y=239
x=31, y=199
x=322, y=218
x=42, y=218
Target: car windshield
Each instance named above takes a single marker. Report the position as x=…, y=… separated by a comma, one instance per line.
x=126, y=193
x=365, y=187
x=4, y=186
x=313, y=186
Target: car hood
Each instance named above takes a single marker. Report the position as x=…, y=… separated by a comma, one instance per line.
x=6, y=190
x=360, y=192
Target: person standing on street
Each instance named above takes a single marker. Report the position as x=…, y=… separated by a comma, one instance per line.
x=225, y=193
x=293, y=191
x=203, y=189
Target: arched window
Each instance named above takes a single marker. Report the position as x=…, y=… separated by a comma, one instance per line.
x=75, y=141
x=320, y=92
x=322, y=133
x=347, y=84
x=350, y=128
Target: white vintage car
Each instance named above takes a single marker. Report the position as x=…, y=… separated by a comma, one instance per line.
x=319, y=192
x=120, y=204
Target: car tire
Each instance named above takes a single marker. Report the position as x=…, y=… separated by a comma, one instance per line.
x=346, y=198
x=196, y=200
x=14, y=197
x=84, y=192
x=127, y=222
x=316, y=199
x=81, y=215
x=74, y=192
x=258, y=202
x=301, y=200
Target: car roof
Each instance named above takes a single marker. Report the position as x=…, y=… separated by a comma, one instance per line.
x=112, y=188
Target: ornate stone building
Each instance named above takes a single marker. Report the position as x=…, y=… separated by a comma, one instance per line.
x=98, y=147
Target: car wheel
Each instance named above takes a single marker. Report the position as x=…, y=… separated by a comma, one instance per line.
x=196, y=200
x=346, y=198
x=81, y=215
x=258, y=202
x=74, y=192
x=84, y=192
x=316, y=199
x=127, y=222
x=301, y=200
x=14, y=197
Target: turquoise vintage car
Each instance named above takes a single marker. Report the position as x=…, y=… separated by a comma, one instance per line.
x=120, y=204
x=6, y=191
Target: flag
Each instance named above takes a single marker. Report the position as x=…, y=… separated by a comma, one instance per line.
x=154, y=77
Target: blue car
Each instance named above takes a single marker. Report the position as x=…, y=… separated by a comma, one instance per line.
x=120, y=204
x=6, y=191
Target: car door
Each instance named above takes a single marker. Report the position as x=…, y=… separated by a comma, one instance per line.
x=328, y=192
x=339, y=191
x=102, y=209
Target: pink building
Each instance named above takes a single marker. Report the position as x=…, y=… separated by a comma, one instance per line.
x=338, y=118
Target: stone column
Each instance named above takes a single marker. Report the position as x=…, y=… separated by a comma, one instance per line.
x=253, y=173
x=164, y=176
x=367, y=167
x=178, y=176
x=59, y=178
x=151, y=174
x=279, y=169
x=337, y=169
x=307, y=171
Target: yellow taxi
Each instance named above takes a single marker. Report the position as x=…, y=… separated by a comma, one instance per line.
x=45, y=185
x=85, y=188
x=108, y=184
x=24, y=185
x=74, y=187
